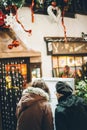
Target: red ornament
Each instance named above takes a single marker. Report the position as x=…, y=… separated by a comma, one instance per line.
x=2, y=17
x=10, y=46
x=15, y=43
x=29, y=31
x=54, y=4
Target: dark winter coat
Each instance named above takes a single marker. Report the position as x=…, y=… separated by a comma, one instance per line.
x=34, y=111
x=71, y=114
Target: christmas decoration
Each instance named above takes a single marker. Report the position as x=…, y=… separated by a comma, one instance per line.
x=7, y=4
x=8, y=82
x=10, y=46
x=32, y=12
x=64, y=8
x=65, y=37
x=29, y=31
x=15, y=43
x=54, y=11
x=9, y=21
x=84, y=36
x=9, y=12
x=2, y=17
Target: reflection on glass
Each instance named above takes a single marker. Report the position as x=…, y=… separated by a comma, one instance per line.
x=78, y=61
x=84, y=59
x=55, y=62
x=62, y=61
x=36, y=73
x=70, y=61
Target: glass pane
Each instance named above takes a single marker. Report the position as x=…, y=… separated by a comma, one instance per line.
x=62, y=61
x=35, y=73
x=55, y=62
x=70, y=61
x=72, y=70
x=84, y=59
x=78, y=61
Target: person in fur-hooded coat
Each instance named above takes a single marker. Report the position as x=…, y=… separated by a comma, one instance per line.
x=33, y=110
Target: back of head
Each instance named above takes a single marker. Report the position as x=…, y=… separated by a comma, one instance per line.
x=66, y=68
x=63, y=88
x=39, y=83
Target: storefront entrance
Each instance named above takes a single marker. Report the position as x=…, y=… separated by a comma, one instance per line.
x=15, y=73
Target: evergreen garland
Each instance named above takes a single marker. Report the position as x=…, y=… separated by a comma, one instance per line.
x=6, y=3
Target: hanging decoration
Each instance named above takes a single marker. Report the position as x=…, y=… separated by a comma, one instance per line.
x=64, y=8
x=10, y=8
x=84, y=36
x=10, y=46
x=29, y=31
x=32, y=12
x=2, y=20
x=54, y=11
x=2, y=17
x=15, y=43
x=57, y=9
x=6, y=4
x=64, y=27
x=9, y=20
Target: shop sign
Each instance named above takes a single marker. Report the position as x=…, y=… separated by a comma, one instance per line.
x=57, y=46
x=69, y=48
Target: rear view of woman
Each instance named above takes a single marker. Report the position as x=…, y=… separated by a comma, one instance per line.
x=33, y=110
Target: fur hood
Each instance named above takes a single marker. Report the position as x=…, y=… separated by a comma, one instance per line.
x=30, y=96
x=37, y=91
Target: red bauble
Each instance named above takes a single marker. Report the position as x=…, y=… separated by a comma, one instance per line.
x=15, y=43
x=2, y=17
x=10, y=46
x=30, y=31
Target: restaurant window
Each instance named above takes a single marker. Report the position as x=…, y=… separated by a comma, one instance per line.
x=74, y=62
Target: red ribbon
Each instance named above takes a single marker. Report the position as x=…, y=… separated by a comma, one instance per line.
x=29, y=31
x=65, y=37
x=32, y=12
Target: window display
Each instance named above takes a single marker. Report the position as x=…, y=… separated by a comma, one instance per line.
x=76, y=63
